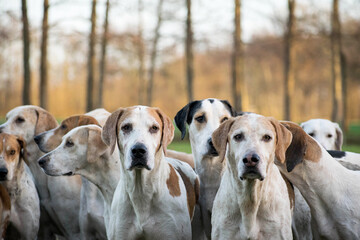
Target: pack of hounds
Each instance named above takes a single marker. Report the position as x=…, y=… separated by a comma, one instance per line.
x=105, y=175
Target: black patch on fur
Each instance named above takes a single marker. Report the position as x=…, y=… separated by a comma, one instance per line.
x=336, y=154
x=211, y=100
x=185, y=115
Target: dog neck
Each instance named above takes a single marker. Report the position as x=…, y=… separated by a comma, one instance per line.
x=15, y=185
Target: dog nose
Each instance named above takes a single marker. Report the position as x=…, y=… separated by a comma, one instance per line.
x=3, y=173
x=42, y=162
x=139, y=150
x=37, y=139
x=1, y=129
x=251, y=160
x=210, y=143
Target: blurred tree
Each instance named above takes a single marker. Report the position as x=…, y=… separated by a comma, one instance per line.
x=237, y=63
x=140, y=52
x=43, y=93
x=338, y=80
x=91, y=60
x=103, y=56
x=189, y=53
x=154, y=54
x=26, y=44
x=289, y=56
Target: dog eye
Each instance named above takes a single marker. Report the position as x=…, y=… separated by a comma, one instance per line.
x=154, y=129
x=200, y=119
x=20, y=120
x=224, y=119
x=239, y=137
x=126, y=128
x=266, y=138
x=63, y=126
x=69, y=143
x=329, y=135
x=312, y=134
x=12, y=152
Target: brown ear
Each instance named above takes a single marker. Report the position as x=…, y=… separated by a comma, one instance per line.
x=220, y=138
x=283, y=140
x=167, y=129
x=109, y=131
x=339, y=137
x=96, y=147
x=23, y=152
x=45, y=121
x=87, y=120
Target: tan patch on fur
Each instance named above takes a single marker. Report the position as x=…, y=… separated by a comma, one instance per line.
x=190, y=192
x=45, y=121
x=173, y=182
x=7, y=140
x=220, y=137
x=291, y=192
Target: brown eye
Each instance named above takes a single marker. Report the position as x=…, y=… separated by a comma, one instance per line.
x=63, y=126
x=154, y=129
x=69, y=143
x=239, y=137
x=12, y=152
x=126, y=128
x=329, y=135
x=20, y=120
x=312, y=134
x=200, y=119
x=266, y=138
x=224, y=119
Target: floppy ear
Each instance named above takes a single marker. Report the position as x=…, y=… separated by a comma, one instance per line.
x=96, y=147
x=283, y=139
x=220, y=138
x=339, y=137
x=23, y=152
x=109, y=131
x=229, y=107
x=87, y=120
x=45, y=121
x=184, y=116
x=167, y=130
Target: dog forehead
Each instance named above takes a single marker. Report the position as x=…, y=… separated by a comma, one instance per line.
x=25, y=111
x=7, y=141
x=141, y=115
x=318, y=124
x=212, y=108
x=252, y=123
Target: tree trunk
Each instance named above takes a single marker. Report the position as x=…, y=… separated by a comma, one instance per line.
x=237, y=61
x=154, y=54
x=103, y=56
x=43, y=93
x=91, y=61
x=189, y=53
x=141, y=54
x=336, y=67
x=26, y=43
x=289, y=80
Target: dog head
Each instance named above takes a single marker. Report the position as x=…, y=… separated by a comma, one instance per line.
x=203, y=117
x=27, y=122
x=12, y=151
x=252, y=143
x=327, y=133
x=80, y=146
x=49, y=140
x=140, y=133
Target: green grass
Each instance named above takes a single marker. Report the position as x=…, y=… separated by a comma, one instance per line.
x=352, y=148
x=181, y=146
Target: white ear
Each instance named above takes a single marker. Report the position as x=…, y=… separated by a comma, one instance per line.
x=339, y=137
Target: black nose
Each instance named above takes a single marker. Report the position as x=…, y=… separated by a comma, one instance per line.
x=42, y=161
x=1, y=129
x=3, y=173
x=212, y=150
x=210, y=143
x=138, y=150
x=251, y=160
x=37, y=139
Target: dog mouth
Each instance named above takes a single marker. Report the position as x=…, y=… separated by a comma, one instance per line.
x=212, y=152
x=139, y=164
x=252, y=173
x=3, y=178
x=68, y=174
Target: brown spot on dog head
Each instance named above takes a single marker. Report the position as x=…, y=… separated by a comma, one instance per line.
x=283, y=139
x=302, y=147
x=339, y=137
x=12, y=148
x=192, y=192
x=220, y=138
x=173, y=182
x=45, y=121
x=110, y=131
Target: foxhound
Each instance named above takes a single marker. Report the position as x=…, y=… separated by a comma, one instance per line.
x=83, y=152
x=15, y=176
x=203, y=118
x=5, y=208
x=329, y=188
x=91, y=214
x=59, y=205
x=254, y=201
x=153, y=200
x=327, y=133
